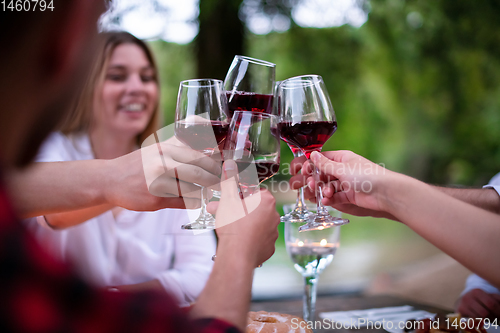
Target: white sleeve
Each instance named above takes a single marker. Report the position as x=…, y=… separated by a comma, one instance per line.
x=475, y=282
x=191, y=267
x=495, y=187
x=494, y=183
x=54, y=149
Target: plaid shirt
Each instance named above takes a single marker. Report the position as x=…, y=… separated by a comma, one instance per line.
x=41, y=294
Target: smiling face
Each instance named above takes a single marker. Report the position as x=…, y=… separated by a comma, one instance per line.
x=124, y=103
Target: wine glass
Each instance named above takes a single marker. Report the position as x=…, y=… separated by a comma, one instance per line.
x=249, y=85
x=307, y=121
x=299, y=213
x=253, y=143
x=202, y=124
x=311, y=252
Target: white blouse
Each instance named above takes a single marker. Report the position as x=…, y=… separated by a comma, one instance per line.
x=134, y=247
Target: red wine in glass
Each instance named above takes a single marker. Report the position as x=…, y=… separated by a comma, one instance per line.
x=307, y=135
x=248, y=101
x=200, y=136
x=295, y=150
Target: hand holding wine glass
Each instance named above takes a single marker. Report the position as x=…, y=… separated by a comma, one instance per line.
x=355, y=192
x=201, y=123
x=307, y=121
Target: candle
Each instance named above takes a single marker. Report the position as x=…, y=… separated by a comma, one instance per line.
x=318, y=248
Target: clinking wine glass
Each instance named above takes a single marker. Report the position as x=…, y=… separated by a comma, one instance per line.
x=300, y=213
x=249, y=85
x=307, y=121
x=253, y=143
x=311, y=252
x=202, y=124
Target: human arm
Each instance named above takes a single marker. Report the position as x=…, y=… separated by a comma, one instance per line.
x=247, y=232
x=48, y=188
x=38, y=278
x=245, y=241
x=465, y=232
x=485, y=198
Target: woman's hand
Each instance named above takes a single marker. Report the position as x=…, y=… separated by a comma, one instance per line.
x=350, y=183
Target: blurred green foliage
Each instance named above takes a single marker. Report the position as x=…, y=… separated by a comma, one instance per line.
x=417, y=87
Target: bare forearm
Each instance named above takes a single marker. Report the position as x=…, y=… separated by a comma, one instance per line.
x=54, y=187
x=75, y=217
x=486, y=198
x=227, y=295
x=467, y=233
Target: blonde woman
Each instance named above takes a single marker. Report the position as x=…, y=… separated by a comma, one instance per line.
x=112, y=246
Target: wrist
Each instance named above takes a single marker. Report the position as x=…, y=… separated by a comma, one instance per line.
x=231, y=248
x=391, y=189
x=106, y=181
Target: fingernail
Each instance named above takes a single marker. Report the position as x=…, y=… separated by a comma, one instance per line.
x=229, y=165
x=315, y=156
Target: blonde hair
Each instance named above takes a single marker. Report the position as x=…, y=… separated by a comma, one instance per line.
x=80, y=119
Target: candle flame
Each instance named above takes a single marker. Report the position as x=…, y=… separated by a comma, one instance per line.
x=300, y=243
x=323, y=242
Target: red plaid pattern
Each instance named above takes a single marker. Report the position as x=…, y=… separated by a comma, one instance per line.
x=41, y=294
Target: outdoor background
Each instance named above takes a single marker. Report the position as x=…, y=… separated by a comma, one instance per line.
x=415, y=85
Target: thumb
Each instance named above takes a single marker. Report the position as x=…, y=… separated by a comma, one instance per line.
x=230, y=206
x=229, y=180
x=325, y=165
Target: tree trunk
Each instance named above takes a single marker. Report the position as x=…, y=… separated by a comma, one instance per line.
x=220, y=37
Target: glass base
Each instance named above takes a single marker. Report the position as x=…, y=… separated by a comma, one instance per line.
x=322, y=221
x=202, y=222
x=298, y=215
x=216, y=194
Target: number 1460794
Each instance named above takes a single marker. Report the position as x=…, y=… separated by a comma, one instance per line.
x=26, y=5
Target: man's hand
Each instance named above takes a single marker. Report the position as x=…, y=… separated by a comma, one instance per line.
x=247, y=226
x=247, y=230
x=479, y=304
x=159, y=176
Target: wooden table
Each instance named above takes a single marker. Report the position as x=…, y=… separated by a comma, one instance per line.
x=340, y=303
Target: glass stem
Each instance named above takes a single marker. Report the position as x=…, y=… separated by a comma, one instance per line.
x=319, y=194
x=299, y=204
x=309, y=304
x=203, y=201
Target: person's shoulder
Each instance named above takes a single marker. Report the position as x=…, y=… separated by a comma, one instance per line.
x=61, y=147
x=55, y=138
